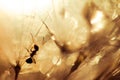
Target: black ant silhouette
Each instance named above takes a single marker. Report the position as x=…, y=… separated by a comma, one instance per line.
x=33, y=52
x=36, y=48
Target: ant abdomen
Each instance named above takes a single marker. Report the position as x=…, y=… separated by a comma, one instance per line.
x=29, y=60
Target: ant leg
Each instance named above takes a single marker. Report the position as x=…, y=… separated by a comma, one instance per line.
x=26, y=53
x=34, y=60
x=31, y=49
x=27, y=50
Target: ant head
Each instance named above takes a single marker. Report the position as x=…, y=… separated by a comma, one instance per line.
x=36, y=47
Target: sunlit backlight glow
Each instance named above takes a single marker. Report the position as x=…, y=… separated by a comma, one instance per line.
x=56, y=61
x=24, y=6
x=96, y=21
x=96, y=60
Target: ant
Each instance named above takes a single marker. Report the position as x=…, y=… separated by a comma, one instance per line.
x=33, y=52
